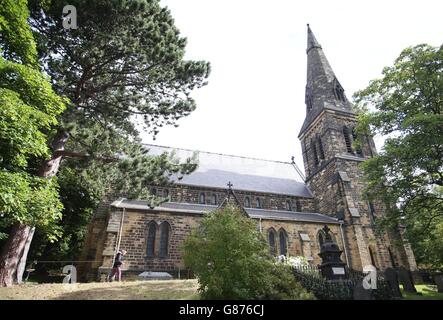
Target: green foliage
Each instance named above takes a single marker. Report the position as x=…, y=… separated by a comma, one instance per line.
x=83, y=184
x=29, y=105
x=426, y=234
x=80, y=199
x=405, y=105
x=283, y=286
x=130, y=168
x=231, y=261
x=29, y=111
x=16, y=40
x=125, y=62
x=123, y=65
x=29, y=200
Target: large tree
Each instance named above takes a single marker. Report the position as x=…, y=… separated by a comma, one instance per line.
x=28, y=114
x=123, y=65
x=405, y=106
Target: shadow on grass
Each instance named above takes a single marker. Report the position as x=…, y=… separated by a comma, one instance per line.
x=428, y=292
x=148, y=291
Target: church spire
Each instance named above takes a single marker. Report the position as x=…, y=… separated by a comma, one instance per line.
x=323, y=90
x=312, y=42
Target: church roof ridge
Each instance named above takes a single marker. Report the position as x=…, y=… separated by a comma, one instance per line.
x=217, y=153
x=194, y=208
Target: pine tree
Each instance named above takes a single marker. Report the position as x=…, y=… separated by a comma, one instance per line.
x=123, y=65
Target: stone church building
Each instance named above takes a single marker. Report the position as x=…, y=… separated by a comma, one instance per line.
x=290, y=208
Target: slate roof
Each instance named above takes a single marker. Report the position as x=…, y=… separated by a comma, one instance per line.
x=290, y=215
x=246, y=174
x=180, y=207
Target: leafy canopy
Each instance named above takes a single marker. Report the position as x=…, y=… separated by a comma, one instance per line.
x=405, y=105
x=28, y=113
x=231, y=260
x=125, y=62
x=123, y=66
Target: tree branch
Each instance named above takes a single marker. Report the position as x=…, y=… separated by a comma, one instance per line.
x=81, y=155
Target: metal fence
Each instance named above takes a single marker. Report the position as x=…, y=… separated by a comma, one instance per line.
x=45, y=271
x=311, y=279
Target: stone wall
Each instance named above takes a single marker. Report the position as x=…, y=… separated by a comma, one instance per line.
x=191, y=194
x=102, y=240
x=336, y=182
x=296, y=246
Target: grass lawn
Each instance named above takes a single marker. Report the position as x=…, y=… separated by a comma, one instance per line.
x=428, y=292
x=126, y=290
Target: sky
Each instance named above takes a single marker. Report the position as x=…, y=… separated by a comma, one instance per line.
x=253, y=104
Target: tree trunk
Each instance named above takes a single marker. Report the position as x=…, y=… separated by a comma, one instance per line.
x=22, y=264
x=12, y=252
x=50, y=167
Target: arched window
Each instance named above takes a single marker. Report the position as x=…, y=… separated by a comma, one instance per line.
x=320, y=147
x=166, y=193
x=314, y=152
x=298, y=205
x=214, y=199
x=202, y=198
x=258, y=203
x=247, y=202
x=164, y=239
x=347, y=139
x=308, y=101
x=271, y=237
x=306, y=154
x=150, y=243
x=391, y=256
x=354, y=137
x=371, y=211
x=154, y=191
x=288, y=205
x=373, y=261
x=321, y=238
x=283, y=242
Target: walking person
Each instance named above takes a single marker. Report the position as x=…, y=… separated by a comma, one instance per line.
x=116, y=268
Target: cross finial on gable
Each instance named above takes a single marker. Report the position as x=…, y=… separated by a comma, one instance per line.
x=292, y=159
x=326, y=229
x=231, y=199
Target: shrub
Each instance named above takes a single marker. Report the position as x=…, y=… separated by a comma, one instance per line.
x=284, y=286
x=231, y=260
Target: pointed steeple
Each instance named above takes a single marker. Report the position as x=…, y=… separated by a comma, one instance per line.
x=323, y=90
x=312, y=42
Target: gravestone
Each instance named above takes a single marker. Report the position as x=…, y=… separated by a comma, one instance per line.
x=405, y=278
x=438, y=279
x=332, y=268
x=360, y=293
x=391, y=278
x=149, y=275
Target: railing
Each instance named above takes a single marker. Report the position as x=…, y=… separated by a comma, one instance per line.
x=426, y=275
x=311, y=279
